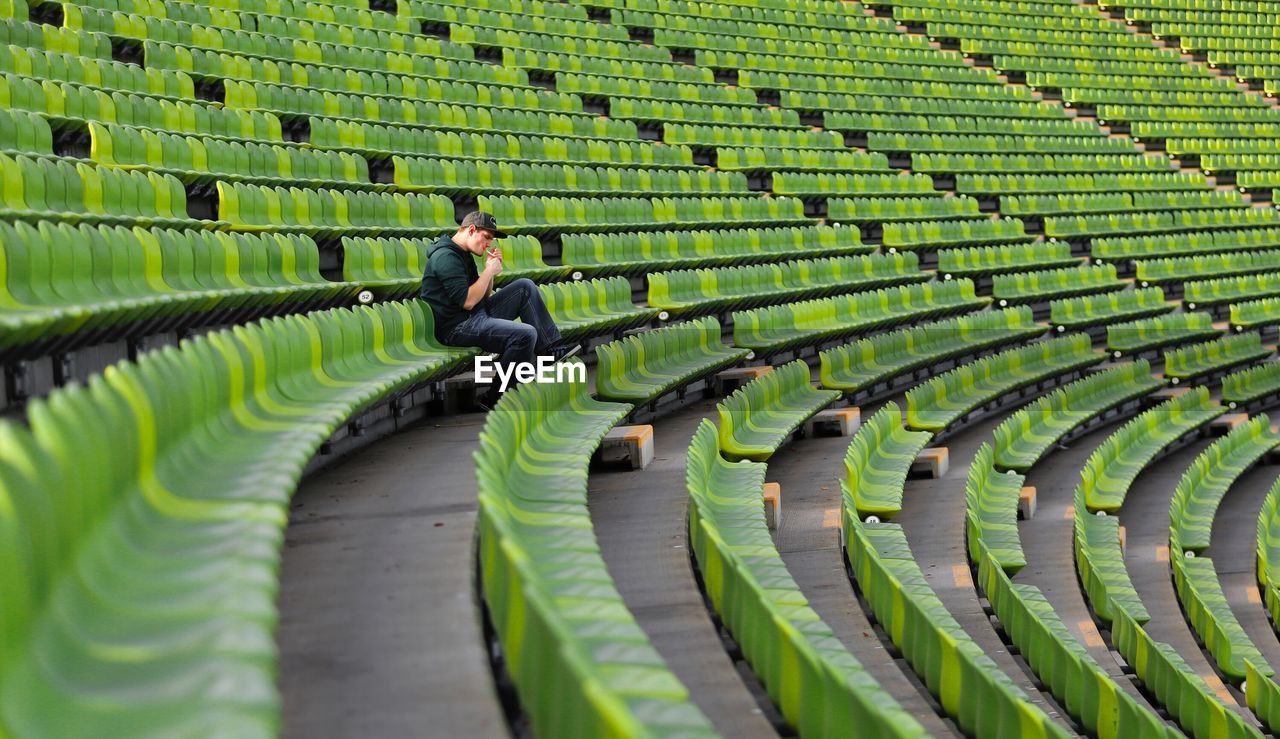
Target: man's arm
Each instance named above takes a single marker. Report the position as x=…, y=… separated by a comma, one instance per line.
x=479, y=289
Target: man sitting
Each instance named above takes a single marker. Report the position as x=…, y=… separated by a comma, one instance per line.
x=466, y=314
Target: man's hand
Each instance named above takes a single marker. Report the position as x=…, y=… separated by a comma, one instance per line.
x=493, y=263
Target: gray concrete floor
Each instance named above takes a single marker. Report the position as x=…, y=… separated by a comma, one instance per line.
x=1145, y=515
x=1048, y=542
x=380, y=634
x=809, y=473
x=640, y=521
x=933, y=519
x=1233, y=549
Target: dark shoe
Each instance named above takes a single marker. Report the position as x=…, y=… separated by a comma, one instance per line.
x=490, y=398
x=562, y=350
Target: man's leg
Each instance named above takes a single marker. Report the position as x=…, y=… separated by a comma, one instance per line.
x=521, y=299
x=511, y=341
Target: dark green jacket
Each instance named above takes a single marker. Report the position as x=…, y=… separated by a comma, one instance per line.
x=450, y=272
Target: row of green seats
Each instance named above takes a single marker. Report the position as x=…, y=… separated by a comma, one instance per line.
x=71, y=285
x=822, y=94
x=549, y=61
x=337, y=71
x=1192, y=702
x=1268, y=552
x=1104, y=308
x=846, y=29
x=580, y=663
x=877, y=361
x=1202, y=266
x=877, y=461
x=714, y=50
x=1214, y=145
x=200, y=160
x=380, y=141
x=294, y=101
x=759, y=416
x=946, y=399
x=973, y=690
x=818, y=685
x=414, y=8
x=1187, y=132
x=1259, y=180
x=1019, y=17
x=935, y=234
x=771, y=158
x=821, y=15
x=824, y=183
x=1147, y=334
x=589, y=307
x=392, y=267
x=1254, y=313
x=1077, y=79
x=234, y=19
x=1071, y=47
x=331, y=212
x=775, y=56
x=534, y=214
x=613, y=87
x=101, y=73
x=470, y=36
x=1251, y=385
x=942, y=162
x=283, y=39
x=45, y=37
x=722, y=136
x=1024, y=437
x=776, y=328
x=1071, y=203
x=1083, y=60
x=1188, y=363
x=717, y=114
x=1202, y=487
x=888, y=209
x=1205, y=293
x=1112, y=467
x=25, y=133
x=63, y=101
x=642, y=368
x=850, y=121
x=1089, y=693
x=186, y=461
x=1038, y=287
x=1001, y=28
x=803, y=82
x=789, y=40
x=1001, y=184
x=645, y=251
x=1195, y=242
x=991, y=512
x=959, y=143
x=925, y=104
x=497, y=19
x=723, y=288
x=976, y=261
x=1099, y=545
x=1209, y=613
x=475, y=177
x=65, y=191
x=348, y=101
x=1183, y=220
x=343, y=13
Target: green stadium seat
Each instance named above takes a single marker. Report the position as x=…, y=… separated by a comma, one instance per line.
x=756, y=418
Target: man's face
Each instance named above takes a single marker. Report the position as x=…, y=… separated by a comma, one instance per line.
x=477, y=240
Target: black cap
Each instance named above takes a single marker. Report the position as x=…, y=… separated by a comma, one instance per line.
x=481, y=219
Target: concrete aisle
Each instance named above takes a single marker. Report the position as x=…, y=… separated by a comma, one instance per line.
x=640, y=521
x=380, y=634
x=809, y=472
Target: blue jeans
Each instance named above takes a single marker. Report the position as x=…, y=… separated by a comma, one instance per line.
x=491, y=325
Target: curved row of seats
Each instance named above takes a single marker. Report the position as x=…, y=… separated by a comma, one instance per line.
x=182, y=464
